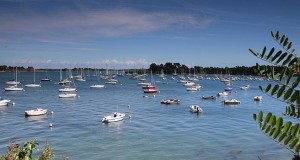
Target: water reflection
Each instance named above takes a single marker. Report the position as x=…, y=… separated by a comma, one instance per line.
x=40, y=118
x=114, y=124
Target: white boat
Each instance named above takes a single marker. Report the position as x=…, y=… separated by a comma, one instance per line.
x=193, y=88
x=14, y=82
x=80, y=79
x=67, y=95
x=67, y=89
x=97, y=86
x=114, y=117
x=258, y=98
x=4, y=102
x=34, y=85
x=223, y=94
x=195, y=109
x=232, y=101
x=13, y=88
x=245, y=87
x=111, y=82
x=35, y=112
x=189, y=83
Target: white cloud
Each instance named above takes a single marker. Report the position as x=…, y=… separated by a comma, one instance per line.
x=98, y=23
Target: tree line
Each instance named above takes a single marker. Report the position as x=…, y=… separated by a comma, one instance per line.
x=167, y=68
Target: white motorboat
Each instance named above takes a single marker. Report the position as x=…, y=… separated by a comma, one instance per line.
x=223, y=94
x=232, y=101
x=114, y=117
x=35, y=112
x=195, y=109
x=258, y=98
x=4, y=102
x=246, y=87
x=13, y=88
x=67, y=95
x=97, y=86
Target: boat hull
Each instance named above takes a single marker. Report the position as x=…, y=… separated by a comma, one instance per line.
x=35, y=112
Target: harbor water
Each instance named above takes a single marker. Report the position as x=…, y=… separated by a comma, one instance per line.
x=154, y=131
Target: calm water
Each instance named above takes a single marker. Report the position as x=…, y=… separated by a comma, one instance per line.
x=155, y=131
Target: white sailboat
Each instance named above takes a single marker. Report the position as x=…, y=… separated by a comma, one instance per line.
x=68, y=87
x=14, y=87
x=34, y=85
x=13, y=82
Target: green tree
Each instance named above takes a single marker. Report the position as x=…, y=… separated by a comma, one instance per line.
x=16, y=152
x=285, y=88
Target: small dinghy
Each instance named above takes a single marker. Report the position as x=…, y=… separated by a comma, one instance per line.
x=114, y=117
x=209, y=97
x=196, y=109
x=258, y=98
x=170, y=101
x=232, y=102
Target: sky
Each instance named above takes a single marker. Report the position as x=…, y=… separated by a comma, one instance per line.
x=125, y=34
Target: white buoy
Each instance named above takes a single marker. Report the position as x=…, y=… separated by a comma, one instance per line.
x=129, y=116
x=13, y=103
x=52, y=112
x=50, y=125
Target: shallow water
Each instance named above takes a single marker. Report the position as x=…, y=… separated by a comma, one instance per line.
x=155, y=131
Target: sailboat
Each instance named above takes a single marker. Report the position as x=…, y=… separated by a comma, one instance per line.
x=14, y=87
x=151, y=89
x=34, y=85
x=13, y=82
x=68, y=89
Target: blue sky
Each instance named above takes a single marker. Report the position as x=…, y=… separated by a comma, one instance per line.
x=136, y=33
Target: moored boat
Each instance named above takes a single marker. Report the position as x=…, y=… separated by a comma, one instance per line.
x=114, y=117
x=13, y=88
x=35, y=112
x=232, y=101
x=67, y=95
x=195, y=109
x=97, y=86
x=209, y=97
x=67, y=89
x=170, y=101
x=245, y=87
x=223, y=94
x=148, y=87
x=151, y=90
x=258, y=98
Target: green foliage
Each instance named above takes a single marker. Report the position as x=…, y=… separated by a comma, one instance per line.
x=16, y=152
x=285, y=90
